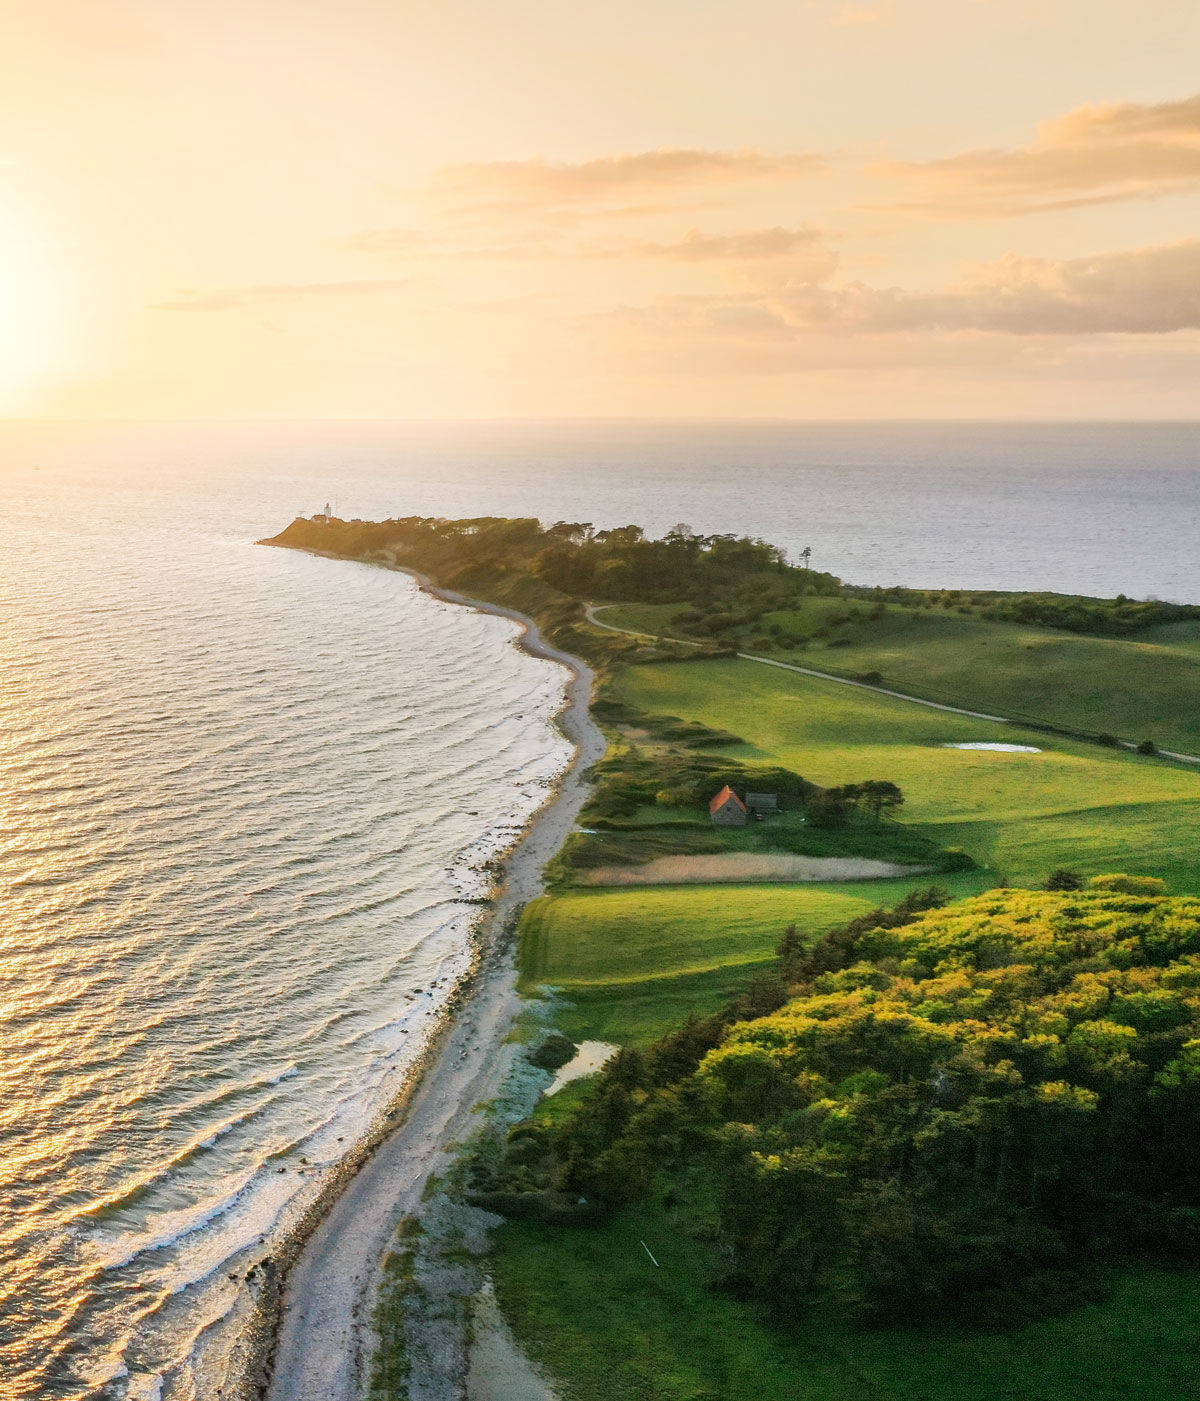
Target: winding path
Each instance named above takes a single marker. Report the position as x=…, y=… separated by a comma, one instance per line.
x=591, y=610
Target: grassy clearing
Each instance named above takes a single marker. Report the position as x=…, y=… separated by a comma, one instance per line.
x=633, y=962
x=591, y=1306
x=1074, y=804
x=1128, y=687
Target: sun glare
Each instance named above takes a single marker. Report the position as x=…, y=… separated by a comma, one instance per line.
x=32, y=306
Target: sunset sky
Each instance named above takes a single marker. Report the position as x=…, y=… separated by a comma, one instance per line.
x=792, y=208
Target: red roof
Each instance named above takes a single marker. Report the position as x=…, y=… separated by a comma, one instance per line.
x=723, y=797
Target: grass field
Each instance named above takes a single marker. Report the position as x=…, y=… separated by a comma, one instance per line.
x=1074, y=804
x=633, y=962
x=591, y=1306
x=1132, y=688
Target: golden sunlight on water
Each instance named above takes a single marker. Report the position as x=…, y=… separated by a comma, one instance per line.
x=242, y=793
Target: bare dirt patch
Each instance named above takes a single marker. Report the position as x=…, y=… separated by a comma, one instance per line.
x=739, y=866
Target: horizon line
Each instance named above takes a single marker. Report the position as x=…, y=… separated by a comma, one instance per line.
x=1049, y=420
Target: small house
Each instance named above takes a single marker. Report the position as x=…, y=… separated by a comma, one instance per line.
x=727, y=809
x=762, y=803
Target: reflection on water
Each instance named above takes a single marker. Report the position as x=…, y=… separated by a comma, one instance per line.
x=242, y=791
x=242, y=794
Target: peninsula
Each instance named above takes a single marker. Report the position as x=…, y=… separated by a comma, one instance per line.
x=761, y=1184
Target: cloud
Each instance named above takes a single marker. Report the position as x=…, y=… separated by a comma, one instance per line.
x=752, y=245
x=749, y=245
x=758, y=258
x=505, y=186
x=409, y=245
x=1149, y=291
x=235, y=298
x=1096, y=154
x=1144, y=291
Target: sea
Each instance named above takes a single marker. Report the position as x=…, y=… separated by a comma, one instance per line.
x=249, y=797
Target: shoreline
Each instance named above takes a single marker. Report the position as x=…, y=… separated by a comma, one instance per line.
x=313, y=1337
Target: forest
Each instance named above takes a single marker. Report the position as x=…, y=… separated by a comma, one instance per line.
x=730, y=582
x=939, y=1110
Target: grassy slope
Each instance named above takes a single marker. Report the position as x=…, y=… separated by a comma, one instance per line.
x=633, y=962
x=1074, y=804
x=1129, y=687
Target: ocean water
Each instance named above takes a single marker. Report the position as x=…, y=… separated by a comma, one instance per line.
x=245, y=794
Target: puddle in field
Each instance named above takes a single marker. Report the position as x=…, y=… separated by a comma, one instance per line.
x=589, y=1057
x=997, y=748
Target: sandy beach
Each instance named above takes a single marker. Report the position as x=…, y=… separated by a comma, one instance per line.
x=322, y=1346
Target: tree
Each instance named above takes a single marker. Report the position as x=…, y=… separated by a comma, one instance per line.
x=957, y=1111
x=828, y=807
x=879, y=795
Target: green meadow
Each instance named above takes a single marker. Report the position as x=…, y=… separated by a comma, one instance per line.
x=610, y=1325
x=1073, y=804
x=1131, y=687
x=631, y=963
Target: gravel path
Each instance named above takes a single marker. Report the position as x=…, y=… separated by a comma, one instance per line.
x=590, y=610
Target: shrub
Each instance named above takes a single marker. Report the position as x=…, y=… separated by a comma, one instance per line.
x=1111, y=741
x=1122, y=884
x=1064, y=880
x=954, y=858
x=554, y=1052
x=1147, y=746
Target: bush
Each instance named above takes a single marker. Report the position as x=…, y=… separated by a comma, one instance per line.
x=552, y=1208
x=1110, y=741
x=1147, y=746
x=870, y=678
x=554, y=1052
x=1064, y=880
x=954, y=858
x=1122, y=884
